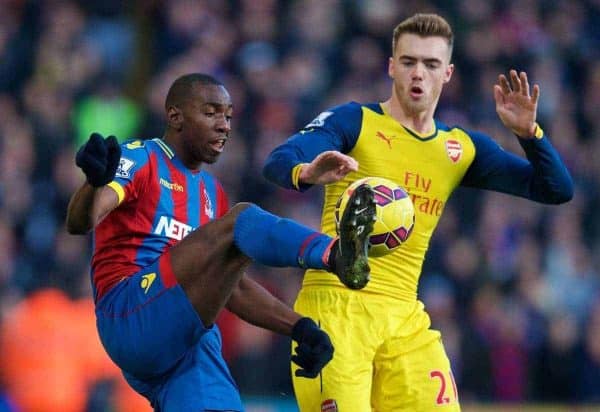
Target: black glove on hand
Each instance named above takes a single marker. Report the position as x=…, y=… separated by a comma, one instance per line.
x=314, y=348
x=99, y=159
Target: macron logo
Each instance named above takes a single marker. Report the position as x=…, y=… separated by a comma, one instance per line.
x=172, y=228
x=171, y=186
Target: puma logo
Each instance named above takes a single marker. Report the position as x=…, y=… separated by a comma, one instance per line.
x=386, y=139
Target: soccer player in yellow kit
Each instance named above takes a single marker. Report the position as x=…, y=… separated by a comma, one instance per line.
x=387, y=358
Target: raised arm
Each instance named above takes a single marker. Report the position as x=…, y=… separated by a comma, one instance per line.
x=542, y=177
x=99, y=159
x=254, y=304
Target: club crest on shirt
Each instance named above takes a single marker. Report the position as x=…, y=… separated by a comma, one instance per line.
x=329, y=405
x=454, y=150
x=125, y=166
x=208, y=207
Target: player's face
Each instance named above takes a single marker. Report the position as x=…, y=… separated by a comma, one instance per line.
x=206, y=123
x=420, y=67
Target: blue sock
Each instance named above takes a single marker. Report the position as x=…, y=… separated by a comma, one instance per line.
x=275, y=241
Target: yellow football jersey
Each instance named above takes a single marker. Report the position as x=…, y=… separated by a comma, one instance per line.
x=429, y=167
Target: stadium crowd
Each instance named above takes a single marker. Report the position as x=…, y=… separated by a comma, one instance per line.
x=515, y=289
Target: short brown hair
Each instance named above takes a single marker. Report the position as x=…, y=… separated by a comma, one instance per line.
x=424, y=25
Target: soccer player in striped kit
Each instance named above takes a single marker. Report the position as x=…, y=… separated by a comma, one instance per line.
x=169, y=254
x=387, y=358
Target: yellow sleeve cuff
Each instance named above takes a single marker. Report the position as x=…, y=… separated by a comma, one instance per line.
x=118, y=190
x=539, y=133
x=296, y=175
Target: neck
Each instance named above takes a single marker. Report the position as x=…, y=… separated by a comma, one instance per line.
x=418, y=121
x=176, y=144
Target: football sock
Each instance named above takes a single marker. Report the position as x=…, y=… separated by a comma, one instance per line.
x=275, y=241
x=331, y=255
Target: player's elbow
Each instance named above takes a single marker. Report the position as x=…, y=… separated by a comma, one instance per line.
x=268, y=170
x=76, y=230
x=236, y=298
x=564, y=196
x=560, y=195
x=75, y=227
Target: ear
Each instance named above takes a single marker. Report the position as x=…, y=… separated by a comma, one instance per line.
x=391, y=67
x=448, y=74
x=174, y=117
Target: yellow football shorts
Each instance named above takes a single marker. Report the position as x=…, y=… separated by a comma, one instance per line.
x=386, y=358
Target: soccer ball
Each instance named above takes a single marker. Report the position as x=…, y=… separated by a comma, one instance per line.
x=395, y=214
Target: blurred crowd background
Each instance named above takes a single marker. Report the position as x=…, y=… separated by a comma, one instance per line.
x=512, y=285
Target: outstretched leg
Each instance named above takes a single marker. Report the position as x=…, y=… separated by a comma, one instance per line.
x=209, y=262
x=276, y=241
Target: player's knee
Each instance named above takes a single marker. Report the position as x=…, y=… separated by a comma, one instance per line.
x=239, y=208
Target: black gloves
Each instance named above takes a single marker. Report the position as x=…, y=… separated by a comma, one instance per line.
x=314, y=348
x=99, y=159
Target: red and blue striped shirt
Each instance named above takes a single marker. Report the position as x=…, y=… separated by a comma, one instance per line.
x=160, y=202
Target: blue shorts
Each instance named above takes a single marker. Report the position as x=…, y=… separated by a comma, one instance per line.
x=151, y=331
